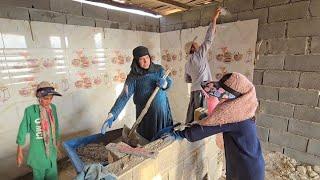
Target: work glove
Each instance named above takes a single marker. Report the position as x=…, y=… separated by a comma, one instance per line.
x=162, y=83
x=172, y=136
x=107, y=123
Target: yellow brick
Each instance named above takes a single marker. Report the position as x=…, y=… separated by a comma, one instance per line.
x=146, y=170
x=176, y=172
x=126, y=176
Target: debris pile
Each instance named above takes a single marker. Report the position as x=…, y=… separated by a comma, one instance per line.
x=281, y=167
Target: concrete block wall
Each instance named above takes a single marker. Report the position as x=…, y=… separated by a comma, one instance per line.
x=287, y=70
x=75, y=13
x=178, y=160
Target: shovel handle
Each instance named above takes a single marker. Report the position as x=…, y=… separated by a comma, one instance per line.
x=147, y=106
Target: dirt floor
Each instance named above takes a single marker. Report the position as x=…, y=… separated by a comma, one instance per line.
x=278, y=167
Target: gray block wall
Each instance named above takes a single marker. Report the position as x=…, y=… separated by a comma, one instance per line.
x=287, y=73
x=75, y=13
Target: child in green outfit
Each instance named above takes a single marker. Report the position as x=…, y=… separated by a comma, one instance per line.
x=41, y=122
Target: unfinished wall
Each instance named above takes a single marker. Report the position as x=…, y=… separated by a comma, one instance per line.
x=286, y=74
x=75, y=13
x=87, y=65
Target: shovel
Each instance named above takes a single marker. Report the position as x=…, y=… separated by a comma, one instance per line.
x=130, y=136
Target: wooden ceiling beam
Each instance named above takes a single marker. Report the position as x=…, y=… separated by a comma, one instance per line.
x=176, y=4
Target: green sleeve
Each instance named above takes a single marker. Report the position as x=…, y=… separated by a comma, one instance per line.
x=23, y=129
x=56, y=122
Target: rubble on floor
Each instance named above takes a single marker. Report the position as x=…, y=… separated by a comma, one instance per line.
x=280, y=167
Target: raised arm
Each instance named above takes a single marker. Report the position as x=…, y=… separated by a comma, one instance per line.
x=203, y=49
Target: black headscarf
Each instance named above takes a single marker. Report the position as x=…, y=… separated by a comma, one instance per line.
x=136, y=70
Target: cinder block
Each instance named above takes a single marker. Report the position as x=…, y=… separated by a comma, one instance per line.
x=288, y=12
x=80, y=20
x=304, y=28
x=267, y=146
x=103, y=23
x=268, y=3
x=257, y=77
x=190, y=24
x=304, y=128
x=206, y=14
x=261, y=14
x=270, y=62
x=226, y=19
x=264, y=48
x=307, y=113
x=315, y=45
x=273, y=30
x=17, y=3
x=137, y=19
x=272, y=122
x=276, y=108
x=288, y=46
x=288, y=140
x=302, y=63
x=314, y=147
x=315, y=8
x=299, y=96
x=66, y=6
x=308, y=80
x=14, y=13
x=118, y=16
x=152, y=21
x=191, y=15
x=238, y=5
x=47, y=16
x=302, y=156
x=267, y=92
x=281, y=78
x=41, y=4
x=171, y=19
x=263, y=133
x=94, y=11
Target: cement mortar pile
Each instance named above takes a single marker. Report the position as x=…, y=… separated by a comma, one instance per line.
x=93, y=153
x=281, y=167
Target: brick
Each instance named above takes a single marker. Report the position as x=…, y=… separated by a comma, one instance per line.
x=267, y=146
x=302, y=156
x=66, y=6
x=192, y=15
x=238, y=5
x=268, y=3
x=272, y=122
x=288, y=46
x=304, y=28
x=80, y=20
x=307, y=113
x=281, y=78
x=288, y=12
x=94, y=11
x=47, y=16
x=261, y=14
x=288, y=140
x=118, y=16
x=273, y=30
x=302, y=63
x=314, y=147
x=17, y=3
x=304, y=128
x=315, y=7
x=308, y=80
x=315, y=45
x=257, y=77
x=276, y=108
x=263, y=133
x=270, y=62
x=267, y=92
x=14, y=13
x=299, y=96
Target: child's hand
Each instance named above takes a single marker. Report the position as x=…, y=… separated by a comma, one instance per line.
x=19, y=156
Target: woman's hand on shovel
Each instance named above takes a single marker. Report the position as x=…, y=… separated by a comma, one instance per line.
x=107, y=123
